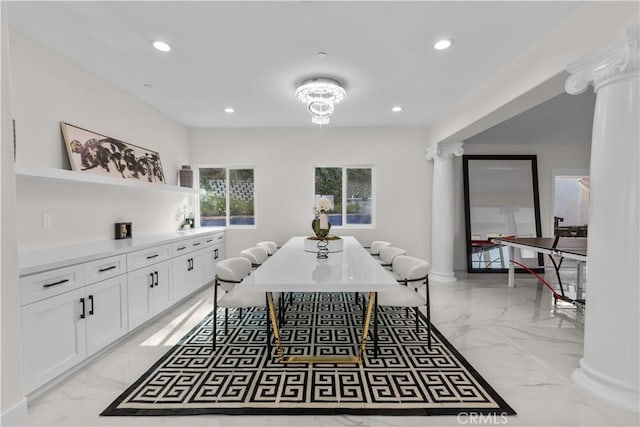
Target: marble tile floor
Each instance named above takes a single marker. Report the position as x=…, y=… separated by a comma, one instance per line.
x=515, y=338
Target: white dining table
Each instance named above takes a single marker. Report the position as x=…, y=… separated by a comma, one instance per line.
x=292, y=269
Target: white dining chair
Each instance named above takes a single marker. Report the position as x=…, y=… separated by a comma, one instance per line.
x=376, y=245
x=270, y=246
x=230, y=276
x=388, y=254
x=413, y=273
x=229, y=273
x=257, y=255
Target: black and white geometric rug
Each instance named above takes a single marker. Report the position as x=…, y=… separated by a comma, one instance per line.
x=241, y=378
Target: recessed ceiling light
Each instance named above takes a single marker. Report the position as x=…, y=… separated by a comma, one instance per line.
x=443, y=44
x=229, y=110
x=162, y=46
x=322, y=55
x=396, y=109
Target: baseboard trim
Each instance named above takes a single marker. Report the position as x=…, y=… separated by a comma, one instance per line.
x=15, y=414
x=442, y=277
x=622, y=395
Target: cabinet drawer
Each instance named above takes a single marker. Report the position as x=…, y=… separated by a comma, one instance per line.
x=146, y=257
x=105, y=268
x=39, y=286
x=213, y=239
x=188, y=245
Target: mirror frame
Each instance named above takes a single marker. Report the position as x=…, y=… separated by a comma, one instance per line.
x=467, y=214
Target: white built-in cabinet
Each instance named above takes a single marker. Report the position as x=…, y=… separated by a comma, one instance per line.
x=105, y=312
x=214, y=251
x=68, y=314
x=149, y=280
x=54, y=337
x=187, y=267
x=72, y=308
x=149, y=292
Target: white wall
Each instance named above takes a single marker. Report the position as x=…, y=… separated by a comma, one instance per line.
x=13, y=404
x=48, y=88
x=549, y=157
x=285, y=160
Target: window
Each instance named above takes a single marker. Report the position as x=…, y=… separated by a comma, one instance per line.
x=226, y=196
x=350, y=190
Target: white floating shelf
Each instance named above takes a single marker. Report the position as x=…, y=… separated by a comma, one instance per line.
x=63, y=175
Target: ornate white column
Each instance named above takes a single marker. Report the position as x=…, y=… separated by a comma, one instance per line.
x=442, y=210
x=609, y=366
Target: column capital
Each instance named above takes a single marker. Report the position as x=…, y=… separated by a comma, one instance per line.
x=622, y=57
x=444, y=150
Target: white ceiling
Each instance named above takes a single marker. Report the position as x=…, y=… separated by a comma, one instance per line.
x=564, y=119
x=251, y=55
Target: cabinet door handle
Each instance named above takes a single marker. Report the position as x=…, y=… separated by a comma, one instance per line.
x=156, y=274
x=153, y=256
x=215, y=254
x=220, y=237
x=59, y=282
x=151, y=274
x=196, y=244
x=209, y=240
x=181, y=248
x=91, y=309
x=82, y=315
x=102, y=270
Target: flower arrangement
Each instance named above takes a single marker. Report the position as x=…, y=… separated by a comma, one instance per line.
x=321, y=206
x=185, y=217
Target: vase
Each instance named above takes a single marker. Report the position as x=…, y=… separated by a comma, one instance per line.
x=186, y=176
x=320, y=233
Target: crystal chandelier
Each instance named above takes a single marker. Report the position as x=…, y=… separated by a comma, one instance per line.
x=320, y=94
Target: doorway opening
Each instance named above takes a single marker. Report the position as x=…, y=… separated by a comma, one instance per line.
x=571, y=219
x=571, y=206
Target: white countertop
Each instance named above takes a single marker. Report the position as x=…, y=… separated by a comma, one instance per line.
x=292, y=269
x=35, y=261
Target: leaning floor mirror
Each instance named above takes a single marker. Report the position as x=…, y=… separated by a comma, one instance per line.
x=501, y=199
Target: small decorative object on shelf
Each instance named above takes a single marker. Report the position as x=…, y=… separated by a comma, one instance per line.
x=186, y=218
x=123, y=230
x=186, y=176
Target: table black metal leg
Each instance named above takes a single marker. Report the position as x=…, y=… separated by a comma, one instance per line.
x=214, y=315
x=428, y=314
x=557, y=266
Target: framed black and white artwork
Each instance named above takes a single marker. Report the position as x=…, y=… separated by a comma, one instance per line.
x=95, y=153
